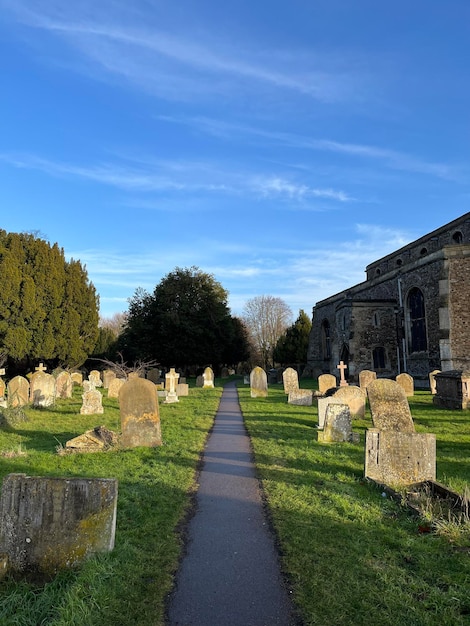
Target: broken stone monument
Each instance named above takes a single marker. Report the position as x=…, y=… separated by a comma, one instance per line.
x=49, y=524
x=395, y=453
x=140, y=414
x=95, y=440
x=258, y=383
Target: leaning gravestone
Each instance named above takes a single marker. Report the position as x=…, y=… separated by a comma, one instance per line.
x=95, y=377
x=326, y=382
x=114, y=387
x=258, y=383
x=208, y=378
x=18, y=392
x=290, y=378
x=338, y=426
x=42, y=389
x=49, y=524
x=354, y=397
x=407, y=383
x=140, y=415
x=95, y=440
x=92, y=400
x=366, y=377
x=64, y=385
x=395, y=454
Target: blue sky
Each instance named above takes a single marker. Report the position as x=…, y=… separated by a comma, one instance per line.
x=281, y=146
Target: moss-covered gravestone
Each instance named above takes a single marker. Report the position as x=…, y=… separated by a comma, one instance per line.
x=140, y=414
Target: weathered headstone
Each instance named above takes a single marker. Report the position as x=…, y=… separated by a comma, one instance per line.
x=77, y=378
x=18, y=391
x=432, y=381
x=140, y=415
x=42, y=389
x=114, y=387
x=182, y=389
x=199, y=380
x=64, y=385
x=108, y=376
x=92, y=400
x=95, y=440
x=302, y=397
x=171, y=380
x=2, y=388
x=95, y=378
x=453, y=389
x=395, y=454
x=258, y=383
x=49, y=524
x=407, y=383
x=366, y=377
x=322, y=406
x=338, y=426
x=208, y=378
x=354, y=397
x=326, y=382
x=154, y=375
x=290, y=378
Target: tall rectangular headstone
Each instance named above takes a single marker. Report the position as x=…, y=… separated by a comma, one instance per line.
x=140, y=414
x=290, y=378
x=18, y=391
x=258, y=383
x=326, y=382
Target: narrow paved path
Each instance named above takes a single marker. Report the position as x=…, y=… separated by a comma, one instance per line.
x=230, y=575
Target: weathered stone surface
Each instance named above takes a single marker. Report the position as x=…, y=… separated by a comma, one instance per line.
x=326, y=382
x=182, y=389
x=140, y=414
x=108, y=376
x=453, y=389
x=95, y=378
x=154, y=375
x=208, y=378
x=337, y=425
x=2, y=388
x=199, y=380
x=354, y=397
x=18, y=391
x=407, y=383
x=42, y=389
x=301, y=397
x=389, y=406
x=92, y=402
x=114, y=387
x=64, y=385
x=95, y=440
x=290, y=378
x=49, y=524
x=322, y=403
x=366, y=377
x=171, y=380
x=432, y=381
x=400, y=458
x=77, y=378
x=258, y=383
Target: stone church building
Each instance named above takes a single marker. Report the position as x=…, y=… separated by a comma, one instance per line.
x=411, y=314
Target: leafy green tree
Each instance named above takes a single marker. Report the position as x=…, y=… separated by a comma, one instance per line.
x=48, y=307
x=186, y=321
x=293, y=344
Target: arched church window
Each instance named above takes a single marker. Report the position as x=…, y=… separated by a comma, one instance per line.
x=416, y=321
x=378, y=357
x=326, y=340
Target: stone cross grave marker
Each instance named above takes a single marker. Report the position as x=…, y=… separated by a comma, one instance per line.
x=140, y=414
x=342, y=366
x=41, y=368
x=171, y=380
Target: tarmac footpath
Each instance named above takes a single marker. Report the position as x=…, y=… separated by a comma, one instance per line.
x=230, y=574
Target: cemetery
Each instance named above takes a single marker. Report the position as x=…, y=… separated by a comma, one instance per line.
x=381, y=543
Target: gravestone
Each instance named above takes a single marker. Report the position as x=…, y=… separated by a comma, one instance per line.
x=77, y=378
x=272, y=376
x=154, y=375
x=342, y=367
x=92, y=400
x=322, y=406
x=171, y=380
x=140, y=415
x=407, y=383
x=2, y=389
x=199, y=380
x=182, y=389
x=432, y=381
x=301, y=397
x=354, y=397
x=338, y=425
x=258, y=383
x=395, y=454
x=208, y=378
x=326, y=382
x=290, y=379
x=42, y=389
x=452, y=390
x=108, y=376
x=95, y=378
x=64, y=385
x=18, y=391
x=95, y=440
x=49, y=524
x=366, y=377
x=114, y=387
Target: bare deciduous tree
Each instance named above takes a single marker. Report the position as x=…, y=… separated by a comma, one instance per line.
x=266, y=318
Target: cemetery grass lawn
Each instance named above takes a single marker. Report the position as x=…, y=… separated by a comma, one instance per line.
x=129, y=585
x=350, y=555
